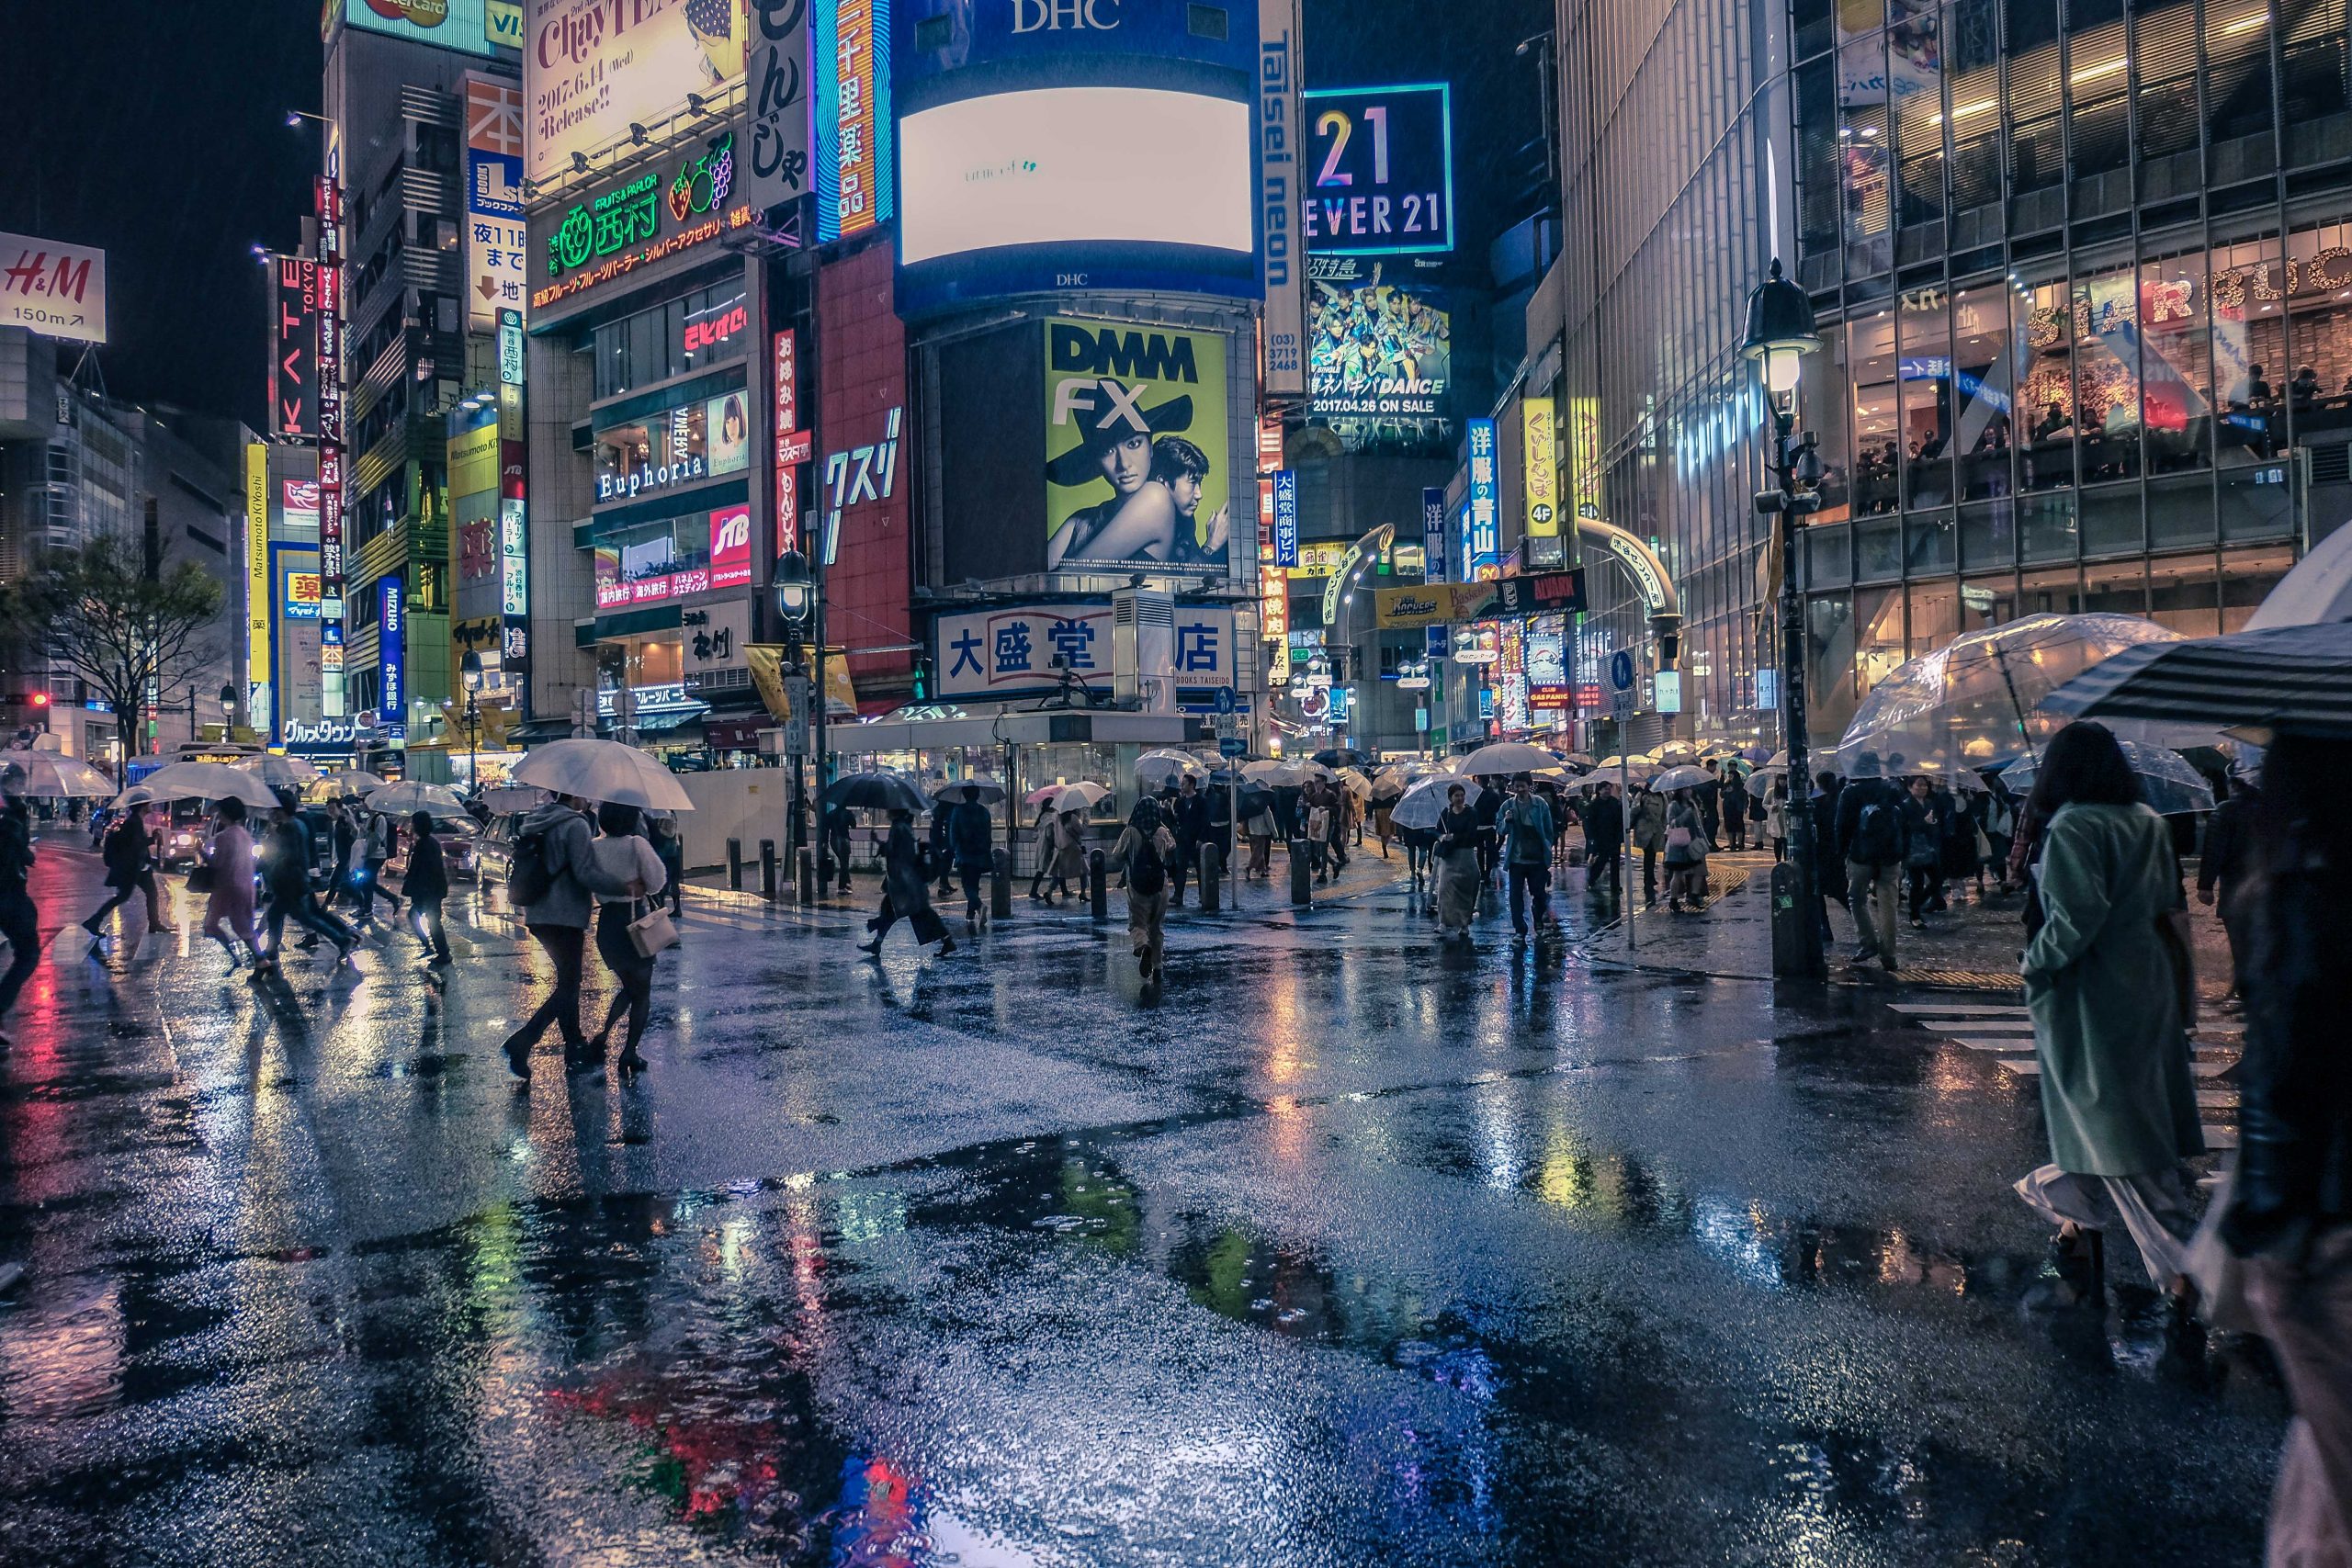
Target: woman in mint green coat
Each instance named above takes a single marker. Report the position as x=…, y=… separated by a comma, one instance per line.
x=2117, y=1089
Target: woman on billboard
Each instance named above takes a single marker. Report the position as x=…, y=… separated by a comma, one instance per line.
x=1155, y=485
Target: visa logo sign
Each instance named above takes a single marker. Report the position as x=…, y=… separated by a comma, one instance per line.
x=502, y=23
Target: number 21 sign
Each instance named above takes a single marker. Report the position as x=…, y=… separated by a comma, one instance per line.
x=1380, y=170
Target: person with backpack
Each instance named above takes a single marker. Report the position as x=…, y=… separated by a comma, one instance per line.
x=129, y=855
x=19, y=918
x=383, y=837
x=1871, y=841
x=426, y=886
x=553, y=879
x=971, y=837
x=289, y=894
x=1316, y=803
x=1143, y=851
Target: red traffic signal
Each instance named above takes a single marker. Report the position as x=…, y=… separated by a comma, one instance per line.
x=40, y=699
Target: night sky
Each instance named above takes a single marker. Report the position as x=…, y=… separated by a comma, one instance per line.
x=168, y=147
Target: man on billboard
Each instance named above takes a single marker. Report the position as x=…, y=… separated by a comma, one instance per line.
x=1141, y=411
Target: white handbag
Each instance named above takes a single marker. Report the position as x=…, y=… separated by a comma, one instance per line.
x=652, y=931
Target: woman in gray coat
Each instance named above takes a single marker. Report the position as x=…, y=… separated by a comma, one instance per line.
x=2101, y=982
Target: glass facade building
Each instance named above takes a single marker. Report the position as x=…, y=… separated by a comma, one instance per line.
x=2083, y=273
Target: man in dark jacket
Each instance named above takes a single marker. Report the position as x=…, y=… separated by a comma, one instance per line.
x=19, y=921
x=1604, y=836
x=1488, y=804
x=1708, y=797
x=1735, y=805
x=426, y=886
x=129, y=855
x=2223, y=870
x=288, y=892
x=1188, y=815
x=1874, y=852
x=971, y=837
x=939, y=844
x=558, y=922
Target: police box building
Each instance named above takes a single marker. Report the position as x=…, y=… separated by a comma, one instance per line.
x=1082, y=369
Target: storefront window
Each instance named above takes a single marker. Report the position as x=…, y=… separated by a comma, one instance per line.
x=2183, y=594
x=1877, y=637
x=705, y=439
x=2319, y=309
x=1915, y=85
x=2107, y=374
x=2053, y=592
x=1987, y=602
x=2256, y=502
x=2111, y=521
x=1828, y=562
x=1984, y=382
x=2046, y=527
x=1929, y=543
x=1877, y=551
x=1988, y=535
x=2119, y=589
x=2247, y=578
x=2177, y=364
x=1862, y=143
x=1829, y=663
x=1935, y=615
x=2249, y=350
x=1922, y=367
x=1877, y=451
x=699, y=329
x=2043, y=322
x=2180, y=512
x=1822, y=398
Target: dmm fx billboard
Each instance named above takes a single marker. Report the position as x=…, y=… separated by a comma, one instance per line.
x=1380, y=169
x=1003, y=652
x=52, y=290
x=1137, y=466
x=592, y=67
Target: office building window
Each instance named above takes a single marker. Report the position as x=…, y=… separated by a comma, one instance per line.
x=2041, y=319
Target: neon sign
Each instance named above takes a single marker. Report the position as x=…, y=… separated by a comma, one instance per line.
x=618, y=219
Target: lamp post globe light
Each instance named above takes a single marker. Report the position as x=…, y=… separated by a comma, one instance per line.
x=796, y=598
x=470, y=673
x=1780, y=334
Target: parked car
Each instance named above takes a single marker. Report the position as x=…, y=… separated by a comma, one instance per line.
x=494, y=850
x=460, y=844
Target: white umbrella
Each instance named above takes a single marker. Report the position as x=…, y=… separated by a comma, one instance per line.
x=1083, y=795
x=54, y=777
x=1679, y=751
x=208, y=781
x=1276, y=773
x=411, y=795
x=1506, y=757
x=1426, y=799
x=280, y=772
x=604, y=771
x=1354, y=783
x=1163, y=763
x=1684, y=777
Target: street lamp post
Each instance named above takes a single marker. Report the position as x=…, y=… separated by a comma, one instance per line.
x=1780, y=334
x=228, y=711
x=469, y=670
x=796, y=595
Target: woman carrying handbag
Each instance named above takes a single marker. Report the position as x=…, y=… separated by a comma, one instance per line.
x=630, y=933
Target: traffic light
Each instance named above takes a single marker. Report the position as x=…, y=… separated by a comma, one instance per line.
x=40, y=699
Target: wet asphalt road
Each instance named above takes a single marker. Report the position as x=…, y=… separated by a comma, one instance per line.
x=1344, y=1250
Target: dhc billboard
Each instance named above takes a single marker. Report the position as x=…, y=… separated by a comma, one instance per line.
x=1026, y=128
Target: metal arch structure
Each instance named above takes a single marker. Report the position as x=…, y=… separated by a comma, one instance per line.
x=1651, y=582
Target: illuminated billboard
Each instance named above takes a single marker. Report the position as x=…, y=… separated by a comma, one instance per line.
x=853, y=100
x=1380, y=353
x=591, y=68
x=1379, y=170
x=707, y=438
x=497, y=248
x=52, y=290
x=294, y=348
x=461, y=24
x=1062, y=147
x=1137, y=463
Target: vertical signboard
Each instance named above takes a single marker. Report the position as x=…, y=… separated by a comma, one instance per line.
x=792, y=442
x=1482, y=538
x=1584, y=456
x=497, y=271
x=294, y=348
x=513, y=515
x=391, y=651
x=1281, y=256
x=258, y=605
x=330, y=214
x=853, y=102
x=1286, y=517
x=1540, y=481
x=777, y=168
x=1434, y=534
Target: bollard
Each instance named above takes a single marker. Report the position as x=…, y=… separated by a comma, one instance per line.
x=807, y=876
x=767, y=869
x=734, y=865
x=1000, y=884
x=1211, y=874
x=1097, y=892
x=1302, y=887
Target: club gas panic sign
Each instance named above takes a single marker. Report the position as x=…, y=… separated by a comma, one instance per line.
x=1380, y=170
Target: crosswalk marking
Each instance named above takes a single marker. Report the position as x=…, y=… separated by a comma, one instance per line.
x=1960, y=1009
x=2024, y=1066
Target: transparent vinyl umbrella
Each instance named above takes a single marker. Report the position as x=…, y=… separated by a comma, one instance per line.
x=1974, y=702
x=2167, y=781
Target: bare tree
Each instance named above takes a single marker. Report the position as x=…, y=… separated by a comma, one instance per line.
x=136, y=636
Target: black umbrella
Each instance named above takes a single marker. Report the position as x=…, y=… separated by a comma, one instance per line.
x=877, y=792
x=1341, y=757
x=2289, y=678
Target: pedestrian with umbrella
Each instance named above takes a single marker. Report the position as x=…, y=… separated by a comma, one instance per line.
x=383, y=840
x=1192, y=829
x=1489, y=805
x=1258, y=822
x=971, y=836
x=228, y=868
x=1604, y=839
x=624, y=855
x=1686, y=847
x=1042, y=834
x=426, y=886
x=1734, y=805
x=1068, y=835
x=1525, y=824
x=289, y=892
x=2106, y=982
x=906, y=890
x=1870, y=839
x=1143, y=853
x=2224, y=872
x=19, y=918
x=670, y=846
x=554, y=878
x=940, y=848
x=1461, y=837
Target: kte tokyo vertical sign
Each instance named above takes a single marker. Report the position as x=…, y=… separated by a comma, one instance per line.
x=258, y=605
x=294, y=348
x=329, y=197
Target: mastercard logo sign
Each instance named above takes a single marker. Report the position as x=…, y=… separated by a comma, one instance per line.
x=416, y=12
